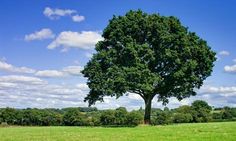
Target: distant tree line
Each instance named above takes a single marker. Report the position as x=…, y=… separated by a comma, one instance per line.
x=81, y=116
x=199, y=111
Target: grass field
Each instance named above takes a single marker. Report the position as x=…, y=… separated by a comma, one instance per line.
x=225, y=131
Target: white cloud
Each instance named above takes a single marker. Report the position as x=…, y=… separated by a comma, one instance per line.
x=10, y=68
x=7, y=85
x=82, y=40
x=23, y=95
x=44, y=33
x=49, y=73
x=218, y=90
x=82, y=86
x=78, y=18
x=174, y=102
x=234, y=60
x=66, y=71
x=57, y=13
x=19, y=93
x=21, y=79
x=54, y=14
x=224, y=53
x=73, y=70
x=230, y=69
x=134, y=96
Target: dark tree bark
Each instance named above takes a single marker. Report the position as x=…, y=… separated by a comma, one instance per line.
x=148, y=107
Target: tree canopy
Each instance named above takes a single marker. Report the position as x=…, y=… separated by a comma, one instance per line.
x=149, y=55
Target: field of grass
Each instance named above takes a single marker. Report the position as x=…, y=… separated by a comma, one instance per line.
x=225, y=131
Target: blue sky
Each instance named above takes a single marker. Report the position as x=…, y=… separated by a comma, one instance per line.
x=45, y=44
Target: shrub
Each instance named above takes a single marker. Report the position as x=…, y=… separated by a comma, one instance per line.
x=74, y=117
x=134, y=118
x=217, y=116
x=108, y=117
x=161, y=118
x=121, y=116
x=182, y=118
x=201, y=111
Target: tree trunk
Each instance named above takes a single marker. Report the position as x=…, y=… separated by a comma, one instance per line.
x=148, y=107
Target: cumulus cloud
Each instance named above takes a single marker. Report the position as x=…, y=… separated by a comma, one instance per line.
x=82, y=86
x=217, y=96
x=49, y=73
x=22, y=95
x=44, y=33
x=230, y=69
x=7, y=85
x=27, y=91
x=134, y=96
x=218, y=90
x=10, y=68
x=78, y=18
x=21, y=79
x=56, y=13
x=224, y=53
x=73, y=70
x=66, y=71
x=82, y=40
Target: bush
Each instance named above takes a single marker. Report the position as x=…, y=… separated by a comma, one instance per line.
x=9, y=115
x=201, y=111
x=161, y=118
x=94, y=118
x=217, y=116
x=182, y=118
x=120, y=116
x=226, y=113
x=108, y=117
x=74, y=117
x=134, y=118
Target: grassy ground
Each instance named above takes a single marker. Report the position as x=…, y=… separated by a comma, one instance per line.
x=225, y=131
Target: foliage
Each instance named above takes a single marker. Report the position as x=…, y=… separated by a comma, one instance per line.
x=134, y=118
x=182, y=118
x=121, y=116
x=162, y=117
x=199, y=111
x=148, y=54
x=108, y=117
x=74, y=117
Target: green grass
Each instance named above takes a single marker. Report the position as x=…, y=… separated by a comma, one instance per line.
x=225, y=131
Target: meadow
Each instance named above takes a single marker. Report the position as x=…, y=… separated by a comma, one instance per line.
x=220, y=131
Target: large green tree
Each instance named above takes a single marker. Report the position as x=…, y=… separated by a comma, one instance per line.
x=149, y=55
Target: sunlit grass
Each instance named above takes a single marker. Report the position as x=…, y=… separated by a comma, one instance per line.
x=225, y=131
